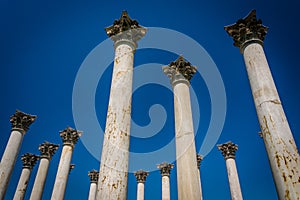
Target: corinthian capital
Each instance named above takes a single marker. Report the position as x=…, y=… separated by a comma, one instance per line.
x=48, y=150
x=70, y=136
x=165, y=168
x=21, y=120
x=179, y=70
x=247, y=30
x=94, y=176
x=141, y=176
x=228, y=149
x=29, y=160
x=125, y=29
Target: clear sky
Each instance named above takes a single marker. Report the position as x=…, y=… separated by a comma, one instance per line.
x=43, y=48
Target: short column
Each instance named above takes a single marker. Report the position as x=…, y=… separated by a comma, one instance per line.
x=165, y=170
x=228, y=151
x=28, y=160
x=180, y=73
x=69, y=137
x=47, y=151
x=141, y=176
x=94, y=176
x=20, y=123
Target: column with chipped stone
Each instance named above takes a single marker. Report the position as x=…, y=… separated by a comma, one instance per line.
x=20, y=123
x=199, y=159
x=113, y=176
x=94, y=176
x=141, y=176
x=28, y=160
x=228, y=150
x=248, y=34
x=165, y=170
x=47, y=150
x=69, y=138
x=180, y=73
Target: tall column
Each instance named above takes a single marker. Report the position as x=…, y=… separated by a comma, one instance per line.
x=165, y=170
x=69, y=138
x=228, y=151
x=248, y=34
x=94, y=176
x=29, y=160
x=140, y=178
x=199, y=159
x=47, y=151
x=180, y=73
x=20, y=123
x=113, y=175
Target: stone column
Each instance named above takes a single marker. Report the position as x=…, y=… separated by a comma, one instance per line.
x=47, y=151
x=199, y=159
x=20, y=123
x=113, y=175
x=180, y=73
x=228, y=151
x=165, y=170
x=69, y=138
x=248, y=34
x=29, y=160
x=140, y=178
x=94, y=176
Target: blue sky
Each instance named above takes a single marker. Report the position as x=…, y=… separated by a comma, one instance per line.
x=43, y=46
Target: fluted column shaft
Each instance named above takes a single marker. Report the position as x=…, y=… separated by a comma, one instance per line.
x=29, y=161
x=280, y=145
x=70, y=137
x=187, y=172
x=20, y=124
x=113, y=175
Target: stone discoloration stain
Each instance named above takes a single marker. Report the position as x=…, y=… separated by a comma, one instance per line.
x=112, y=183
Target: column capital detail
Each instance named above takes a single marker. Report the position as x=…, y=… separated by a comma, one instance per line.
x=48, y=150
x=228, y=149
x=125, y=29
x=247, y=30
x=72, y=166
x=29, y=160
x=165, y=168
x=141, y=176
x=199, y=159
x=21, y=120
x=94, y=176
x=70, y=136
x=179, y=71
